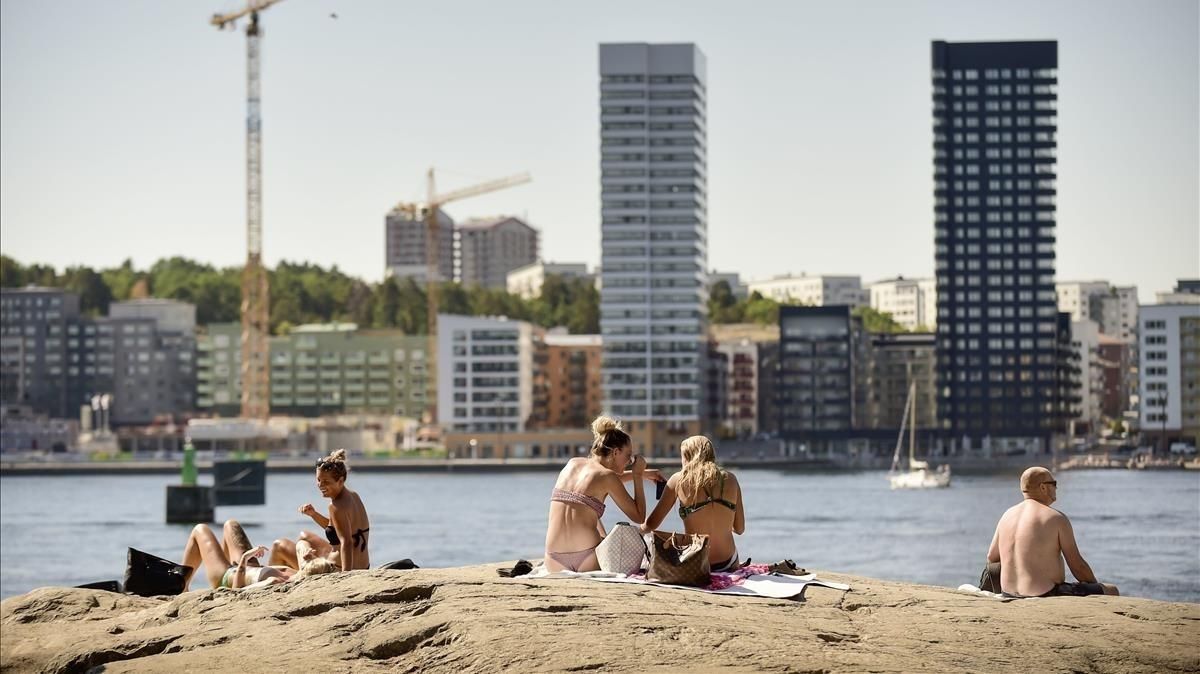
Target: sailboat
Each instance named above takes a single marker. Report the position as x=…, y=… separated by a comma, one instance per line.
x=919, y=475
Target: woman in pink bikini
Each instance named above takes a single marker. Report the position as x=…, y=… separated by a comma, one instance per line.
x=577, y=502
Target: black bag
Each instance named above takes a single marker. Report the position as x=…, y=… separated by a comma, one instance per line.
x=989, y=580
x=400, y=565
x=150, y=576
x=106, y=585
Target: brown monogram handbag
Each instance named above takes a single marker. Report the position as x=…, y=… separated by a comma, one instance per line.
x=679, y=559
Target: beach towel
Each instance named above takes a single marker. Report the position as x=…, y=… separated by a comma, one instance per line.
x=971, y=589
x=751, y=581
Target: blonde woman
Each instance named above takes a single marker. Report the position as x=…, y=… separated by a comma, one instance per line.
x=217, y=556
x=710, y=502
x=577, y=502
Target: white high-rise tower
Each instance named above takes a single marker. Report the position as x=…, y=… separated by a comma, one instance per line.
x=654, y=236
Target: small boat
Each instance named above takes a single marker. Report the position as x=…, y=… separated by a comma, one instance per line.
x=919, y=474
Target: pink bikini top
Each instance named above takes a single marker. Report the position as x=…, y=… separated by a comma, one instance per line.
x=564, y=496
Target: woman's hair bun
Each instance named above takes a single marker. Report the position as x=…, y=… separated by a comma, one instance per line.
x=338, y=455
x=604, y=424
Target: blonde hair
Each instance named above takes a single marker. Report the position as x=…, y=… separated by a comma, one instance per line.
x=335, y=464
x=315, y=567
x=608, y=436
x=700, y=469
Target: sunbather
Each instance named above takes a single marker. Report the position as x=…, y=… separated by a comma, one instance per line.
x=346, y=529
x=710, y=502
x=577, y=502
x=217, y=555
x=1031, y=541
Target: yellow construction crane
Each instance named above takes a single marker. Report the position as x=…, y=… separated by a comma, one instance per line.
x=428, y=211
x=256, y=312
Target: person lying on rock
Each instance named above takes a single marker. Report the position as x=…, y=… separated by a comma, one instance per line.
x=574, y=528
x=1031, y=541
x=710, y=502
x=246, y=573
x=347, y=527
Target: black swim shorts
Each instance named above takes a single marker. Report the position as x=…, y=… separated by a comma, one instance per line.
x=1075, y=590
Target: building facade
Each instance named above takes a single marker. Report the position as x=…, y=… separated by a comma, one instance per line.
x=485, y=373
x=1085, y=342
x=653, y=166
x=1114, y=309
x=55, y=360
x=489, y=249
x=527, y=281
x=911, y=302
x=405, y=239
x=995, y=148
x=893, y=361
x=326, y=369
x=319, y=370
x=1169, y=347
x=566, y=381
x=820, y=349
x=813, y=291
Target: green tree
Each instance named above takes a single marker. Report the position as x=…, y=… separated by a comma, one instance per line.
x=410, y=316
x=877, y=321
x=723, y=305
x=761, y=310
x=94, y=293
x=12, y=274
x=387, y=304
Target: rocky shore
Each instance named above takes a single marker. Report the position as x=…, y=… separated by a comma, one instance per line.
x=470, y=619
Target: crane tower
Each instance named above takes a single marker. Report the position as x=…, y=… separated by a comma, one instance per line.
x=255, y=307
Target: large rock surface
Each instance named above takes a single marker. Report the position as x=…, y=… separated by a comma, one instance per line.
x=469, y=619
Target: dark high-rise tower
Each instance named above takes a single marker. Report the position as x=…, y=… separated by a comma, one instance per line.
x=994, y=123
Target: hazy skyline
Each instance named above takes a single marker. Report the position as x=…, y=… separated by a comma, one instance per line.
x=122, y=128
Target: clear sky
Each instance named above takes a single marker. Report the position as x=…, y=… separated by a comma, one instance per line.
x=122, y=127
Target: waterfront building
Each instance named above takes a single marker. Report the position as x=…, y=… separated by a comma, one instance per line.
x=1118, y=387
x=1000, y=339
x=219, y=369
x=485, y=373
x=338, y=368
x=892, y=362
x=653, y=168
x=404, y=247
x=56, y=360
x=566, y=380
x=34, y=351
x=716, y=391
x=319, y=370
x=911, y=302
x=22, y=430
x=1169, y=346
x=1186, y=292
x=1113, y=308
x=489, y=249
x=820, y=352
x=1085, y=342
x=813, y=291
x=739, y=411
x=151, y=346
x=527, y=281
x=761, y=383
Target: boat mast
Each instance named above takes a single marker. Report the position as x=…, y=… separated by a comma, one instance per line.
x=912, y=427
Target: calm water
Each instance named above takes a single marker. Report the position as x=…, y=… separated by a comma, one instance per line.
x=1140, y=530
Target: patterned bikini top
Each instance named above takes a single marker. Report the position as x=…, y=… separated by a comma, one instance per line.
x=564, y=496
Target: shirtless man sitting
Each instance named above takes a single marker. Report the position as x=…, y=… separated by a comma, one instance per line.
x=1031, y=541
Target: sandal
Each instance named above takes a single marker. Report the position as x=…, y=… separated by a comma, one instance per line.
x=787, y=568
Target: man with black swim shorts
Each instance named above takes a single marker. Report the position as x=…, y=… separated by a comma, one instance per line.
x=1031, y=542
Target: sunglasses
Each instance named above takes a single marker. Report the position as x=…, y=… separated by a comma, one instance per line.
x=1051, y=482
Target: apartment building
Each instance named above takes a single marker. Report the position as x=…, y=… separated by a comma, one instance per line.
x=911, y=302
x=813, y=291
x=527, y=281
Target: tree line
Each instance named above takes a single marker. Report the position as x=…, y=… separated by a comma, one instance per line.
x=309, y=293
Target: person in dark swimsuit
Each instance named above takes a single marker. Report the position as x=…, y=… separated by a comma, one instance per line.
x=710, y=502
x=574, y=528
x=346, y=529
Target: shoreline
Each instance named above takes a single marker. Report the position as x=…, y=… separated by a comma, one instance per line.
x=292, y=465
x=470, y=619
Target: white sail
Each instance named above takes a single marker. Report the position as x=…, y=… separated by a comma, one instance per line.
x=919, y=474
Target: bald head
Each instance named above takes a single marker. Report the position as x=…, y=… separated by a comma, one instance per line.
x=1033, y=478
